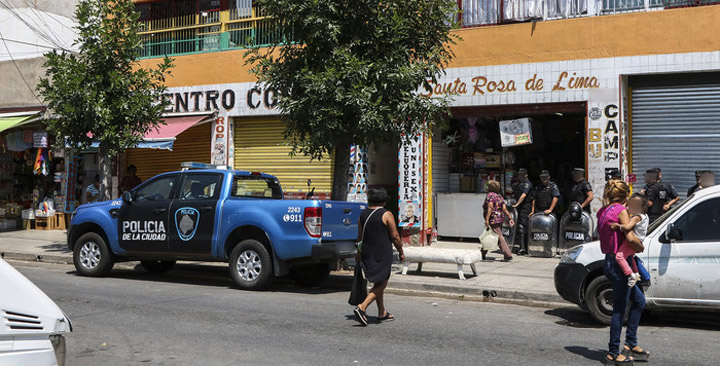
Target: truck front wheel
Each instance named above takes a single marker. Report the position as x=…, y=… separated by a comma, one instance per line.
x=251, y=265
x=92, y=256
x=310, y=274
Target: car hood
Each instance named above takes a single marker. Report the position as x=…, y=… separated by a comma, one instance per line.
x=115, y=202
x=24, y=308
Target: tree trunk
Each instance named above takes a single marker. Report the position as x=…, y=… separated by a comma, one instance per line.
x=105, y=166
x=341, y=168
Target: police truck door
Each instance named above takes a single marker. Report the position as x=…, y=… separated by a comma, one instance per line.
x=192, y=217
x=143, y=222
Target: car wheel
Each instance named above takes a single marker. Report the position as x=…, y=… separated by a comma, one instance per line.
x=599, y=300
x=92, y=256
x=157, y=266
x=310, y=275
x=251, y=265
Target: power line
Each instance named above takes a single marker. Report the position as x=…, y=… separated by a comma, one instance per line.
x=34, y=29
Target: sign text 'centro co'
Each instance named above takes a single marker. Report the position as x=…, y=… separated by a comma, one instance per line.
x=214, y=99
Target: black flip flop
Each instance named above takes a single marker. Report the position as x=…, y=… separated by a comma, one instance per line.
x=387, y=318
x=361, y=317
x=643, y=356
x=611, y=360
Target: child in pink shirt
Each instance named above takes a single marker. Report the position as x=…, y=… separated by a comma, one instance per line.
x=637, y=208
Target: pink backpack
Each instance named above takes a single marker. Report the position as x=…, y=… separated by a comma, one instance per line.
x=610, y=240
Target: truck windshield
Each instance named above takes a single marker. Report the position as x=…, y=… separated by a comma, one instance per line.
x=667, y=214
x=256, y=187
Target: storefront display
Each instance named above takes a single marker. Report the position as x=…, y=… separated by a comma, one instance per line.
x=31, y=177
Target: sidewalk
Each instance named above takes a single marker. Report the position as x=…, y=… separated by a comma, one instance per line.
x=525, y=280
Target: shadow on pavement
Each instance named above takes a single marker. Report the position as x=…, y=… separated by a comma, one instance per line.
x=56, y=248
x=590, y=354
x=218, y=276
x=578, y=318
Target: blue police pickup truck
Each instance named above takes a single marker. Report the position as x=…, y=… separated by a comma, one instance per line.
x=214, y=214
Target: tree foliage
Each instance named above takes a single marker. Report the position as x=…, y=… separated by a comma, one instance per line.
x=101, y=94
x=350, y=71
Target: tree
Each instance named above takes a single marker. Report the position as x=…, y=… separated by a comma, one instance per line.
x=351, y=71
x=101, y=94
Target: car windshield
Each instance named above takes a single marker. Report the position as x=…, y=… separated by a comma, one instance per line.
x=667, y=214
x=253, y=186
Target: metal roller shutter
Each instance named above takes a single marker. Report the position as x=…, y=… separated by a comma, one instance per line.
x=260, y=146
x=191, y=145
x=676, y=128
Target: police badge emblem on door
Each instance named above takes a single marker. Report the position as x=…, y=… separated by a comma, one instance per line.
x=186, y=222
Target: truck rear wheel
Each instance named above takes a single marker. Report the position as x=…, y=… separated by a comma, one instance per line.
x=157, y=266
x=251, y=265
x=310, y=274
x=92, y=256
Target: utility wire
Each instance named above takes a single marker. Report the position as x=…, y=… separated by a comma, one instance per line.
x=33, y=28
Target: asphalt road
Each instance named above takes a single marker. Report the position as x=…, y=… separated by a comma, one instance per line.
x=193, y=316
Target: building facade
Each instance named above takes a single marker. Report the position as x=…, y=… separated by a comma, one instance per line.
x=598, y=85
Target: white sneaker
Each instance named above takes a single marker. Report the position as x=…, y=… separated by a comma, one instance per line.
x=632, y=280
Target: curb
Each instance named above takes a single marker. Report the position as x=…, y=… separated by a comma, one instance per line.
x=397, y=286
x=29, y=257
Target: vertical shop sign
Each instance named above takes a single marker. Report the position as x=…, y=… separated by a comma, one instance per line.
x=411, y=183
x=357, y=187
x=220, y=132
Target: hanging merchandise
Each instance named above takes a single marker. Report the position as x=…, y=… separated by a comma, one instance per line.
x=41, y=162
x=15, y=141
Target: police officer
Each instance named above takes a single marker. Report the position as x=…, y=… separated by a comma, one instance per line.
x=523, y=194
x=547, y=195
x=661, y=196
x=698, y=175
x=582, y=190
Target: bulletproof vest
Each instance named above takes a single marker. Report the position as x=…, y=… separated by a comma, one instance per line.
x=543, y=198
x=518, y=191
x=662, y=199
x=577, y=194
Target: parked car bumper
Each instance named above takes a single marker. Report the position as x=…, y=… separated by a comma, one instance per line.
x=569, y=279
x=329, y=251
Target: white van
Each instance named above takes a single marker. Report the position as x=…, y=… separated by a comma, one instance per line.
x=682, y=254
x=31, y=324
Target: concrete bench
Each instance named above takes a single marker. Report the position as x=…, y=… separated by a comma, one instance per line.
x=460, y=257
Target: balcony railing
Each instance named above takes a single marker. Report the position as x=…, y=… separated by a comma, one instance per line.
x=206, y=31
x=494, y=12
x=247, y=26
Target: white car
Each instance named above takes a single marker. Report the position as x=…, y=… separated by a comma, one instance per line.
x=31, y=324
x=682, y=254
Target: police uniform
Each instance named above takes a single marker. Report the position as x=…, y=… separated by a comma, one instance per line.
x=659, y=193
x=523, y=210
x=544, y=195
x=579, y=193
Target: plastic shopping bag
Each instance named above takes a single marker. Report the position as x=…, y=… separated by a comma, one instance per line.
x=489, y=239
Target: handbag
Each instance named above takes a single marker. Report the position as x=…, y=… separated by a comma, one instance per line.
x=358, y=291
x=644, y=274
x=359, y=244
x=489, y=239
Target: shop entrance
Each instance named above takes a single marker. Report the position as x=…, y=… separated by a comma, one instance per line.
x=471, y=142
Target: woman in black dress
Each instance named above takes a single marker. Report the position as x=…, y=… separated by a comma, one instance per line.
x=376, y=254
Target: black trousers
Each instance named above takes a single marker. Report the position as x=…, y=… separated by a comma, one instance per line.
x=522, y=231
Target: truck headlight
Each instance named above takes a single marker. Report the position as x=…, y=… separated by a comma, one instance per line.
x=58, y=343
x=571, y=255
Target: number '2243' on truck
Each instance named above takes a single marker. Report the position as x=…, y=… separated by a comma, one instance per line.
x=230, y=216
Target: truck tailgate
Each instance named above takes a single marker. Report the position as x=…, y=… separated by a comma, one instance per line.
x=339, y=220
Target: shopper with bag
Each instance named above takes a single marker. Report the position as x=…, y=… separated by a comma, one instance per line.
x=377, y=233
x=614, y=212
x=495, y=213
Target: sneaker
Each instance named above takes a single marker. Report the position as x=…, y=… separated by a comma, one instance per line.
x=632, y=280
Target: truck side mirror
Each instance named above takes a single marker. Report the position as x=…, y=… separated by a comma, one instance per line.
x=127, y=197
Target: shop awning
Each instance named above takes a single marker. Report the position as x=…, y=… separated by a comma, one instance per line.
x=164, y=136
x=10, y=120
x=174, y=126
